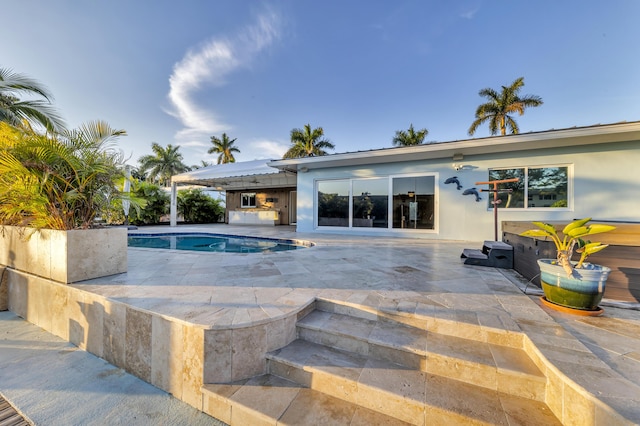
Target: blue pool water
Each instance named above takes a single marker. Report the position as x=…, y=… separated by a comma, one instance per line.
x=212, y=243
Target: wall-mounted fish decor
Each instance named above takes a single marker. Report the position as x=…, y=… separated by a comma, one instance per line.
x=473, y=191
x=454, y=179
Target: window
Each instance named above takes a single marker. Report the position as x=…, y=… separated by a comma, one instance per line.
x=538, y=187
x=248, y=199
x=371, y=203
x=413, y=202
x=386, y=202
x=333, y=203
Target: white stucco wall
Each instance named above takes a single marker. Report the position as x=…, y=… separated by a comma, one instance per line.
x=605, y=184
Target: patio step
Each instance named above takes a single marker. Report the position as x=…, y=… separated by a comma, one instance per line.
x=478, y=363
x=271, y=400
x=346, y=369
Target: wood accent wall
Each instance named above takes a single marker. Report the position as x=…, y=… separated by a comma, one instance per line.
x=622, y=255
x=280, y=203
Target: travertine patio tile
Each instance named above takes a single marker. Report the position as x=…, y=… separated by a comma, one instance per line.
x=470, y=403
x=422, y=278
x=391, y=389
x=268, y=397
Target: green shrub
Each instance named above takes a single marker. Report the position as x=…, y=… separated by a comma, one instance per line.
x=157, y=203
x=59, y=181
x=197, y=207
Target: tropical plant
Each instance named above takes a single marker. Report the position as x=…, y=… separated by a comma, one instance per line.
x=224, y=147
x=570, y=240
x=60, y=181
x=113, y=213
x=164, y=163
x=308, y=143
x=197, y=207
x=409, y=137
x=201, y=165
x=156, y=203
x=499, y=107
x=15, y=111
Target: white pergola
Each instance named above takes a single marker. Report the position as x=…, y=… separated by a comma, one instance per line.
x=231, y=177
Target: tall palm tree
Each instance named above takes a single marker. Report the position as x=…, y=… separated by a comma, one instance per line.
x=499, y=107
x=224, y=147
x=15, y=112
x=201, y=165
x=165, y=163
x=409, y=137
x=308, y=143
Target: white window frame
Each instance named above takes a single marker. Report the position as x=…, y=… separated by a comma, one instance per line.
x=248, y=194
x=389, y=227
x=570, y=197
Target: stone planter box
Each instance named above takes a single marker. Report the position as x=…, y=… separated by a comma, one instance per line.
x=64, y=256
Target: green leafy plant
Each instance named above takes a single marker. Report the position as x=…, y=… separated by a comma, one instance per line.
x=571, y=239
x=197, y=207
x=58, y=181
x=156, y=203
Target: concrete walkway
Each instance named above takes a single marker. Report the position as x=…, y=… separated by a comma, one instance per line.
x=51, y=382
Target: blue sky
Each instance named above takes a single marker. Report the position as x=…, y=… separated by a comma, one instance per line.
x=179, y=72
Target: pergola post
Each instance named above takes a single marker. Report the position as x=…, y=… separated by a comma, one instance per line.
x=173, y=221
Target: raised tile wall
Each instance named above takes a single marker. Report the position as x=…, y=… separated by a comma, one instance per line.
x=173, y=355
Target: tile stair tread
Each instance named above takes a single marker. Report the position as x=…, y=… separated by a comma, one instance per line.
x=358, y=378
x=412, y=339
x=269, y=399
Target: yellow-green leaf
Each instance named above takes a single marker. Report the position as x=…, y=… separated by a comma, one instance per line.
x=575, y=224
x=535, y=233
x=578, y=232
x=592, y=248
x=599, y=228
x=546, y=227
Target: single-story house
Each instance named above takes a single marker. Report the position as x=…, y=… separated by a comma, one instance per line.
x=439, y=191
x=433, y=190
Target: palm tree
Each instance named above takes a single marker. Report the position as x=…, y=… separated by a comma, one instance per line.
x=308, y=143
x=500, y=105
x=409, y=137
x=224, y=147
x=15, y=112
x=201, y=165
x=60, y=181
x=165, y=163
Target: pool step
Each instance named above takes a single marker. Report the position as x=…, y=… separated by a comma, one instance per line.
x=347, y=368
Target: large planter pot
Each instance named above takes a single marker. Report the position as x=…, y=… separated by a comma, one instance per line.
x=64, y=256
x=583, y=290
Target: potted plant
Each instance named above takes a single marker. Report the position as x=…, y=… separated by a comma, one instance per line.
x=566, y=282
x=51, y=188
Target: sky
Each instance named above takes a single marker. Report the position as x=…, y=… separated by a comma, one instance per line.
x=179, y=72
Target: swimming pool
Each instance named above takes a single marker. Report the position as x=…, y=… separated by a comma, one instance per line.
x=219, y=243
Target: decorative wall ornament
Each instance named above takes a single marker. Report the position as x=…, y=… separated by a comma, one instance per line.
x=454, y=179
x=473, y=191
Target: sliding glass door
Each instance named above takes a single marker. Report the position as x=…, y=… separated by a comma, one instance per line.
x=402, y=202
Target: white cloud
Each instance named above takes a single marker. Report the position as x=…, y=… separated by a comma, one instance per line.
x=470, y=11
x=209, y=65
x=267, y=149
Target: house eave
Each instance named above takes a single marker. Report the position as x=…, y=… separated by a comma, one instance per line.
x=578, y=136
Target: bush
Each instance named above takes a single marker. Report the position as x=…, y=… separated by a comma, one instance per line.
x=60, y=181
x=197, y=207
x=157, y=203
